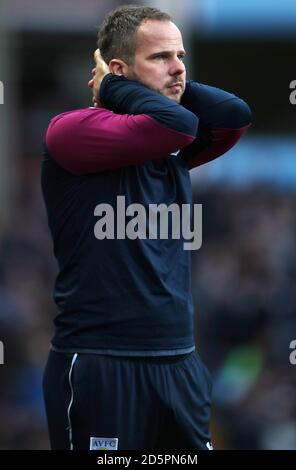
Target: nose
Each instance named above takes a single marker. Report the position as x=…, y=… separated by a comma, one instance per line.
x=177, y=66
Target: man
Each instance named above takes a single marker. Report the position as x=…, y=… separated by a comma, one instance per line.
x=123, y=372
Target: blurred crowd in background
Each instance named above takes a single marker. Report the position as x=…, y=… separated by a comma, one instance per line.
x=244, y=275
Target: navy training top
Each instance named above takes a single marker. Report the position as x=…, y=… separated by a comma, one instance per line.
x=121, y=295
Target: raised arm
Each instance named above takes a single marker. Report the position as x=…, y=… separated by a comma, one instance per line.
x=143, y=125
x=223, y=119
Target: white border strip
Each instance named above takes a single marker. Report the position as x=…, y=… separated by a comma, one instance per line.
x=71, y=401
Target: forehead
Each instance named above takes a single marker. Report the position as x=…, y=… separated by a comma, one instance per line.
x=155, y=35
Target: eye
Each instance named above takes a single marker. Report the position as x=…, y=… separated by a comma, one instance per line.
x=160, y=56
x=181, y=57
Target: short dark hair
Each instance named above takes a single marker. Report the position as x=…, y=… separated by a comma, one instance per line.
x=116, y=36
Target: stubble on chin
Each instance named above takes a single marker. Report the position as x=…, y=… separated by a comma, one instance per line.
x=176, y=98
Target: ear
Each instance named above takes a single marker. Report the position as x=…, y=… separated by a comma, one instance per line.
x=118, y=67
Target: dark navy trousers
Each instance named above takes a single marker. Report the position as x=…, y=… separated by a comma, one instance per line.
x=127, y=403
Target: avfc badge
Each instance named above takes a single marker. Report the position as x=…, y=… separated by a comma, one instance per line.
x=103, y=443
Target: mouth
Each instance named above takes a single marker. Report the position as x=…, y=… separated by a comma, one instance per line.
x=176, y=86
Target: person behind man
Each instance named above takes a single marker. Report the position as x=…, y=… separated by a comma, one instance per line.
x=123, y=372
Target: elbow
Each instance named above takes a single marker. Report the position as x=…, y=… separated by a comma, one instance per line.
x=241, y=114
x=57, y=142
x=189, y=122
x=52, y=142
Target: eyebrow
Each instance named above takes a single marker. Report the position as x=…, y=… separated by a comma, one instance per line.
x=167, y=53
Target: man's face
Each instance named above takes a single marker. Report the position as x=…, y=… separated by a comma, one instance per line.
x=158, y=61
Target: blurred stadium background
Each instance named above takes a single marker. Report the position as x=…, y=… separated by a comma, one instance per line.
x=245, y=273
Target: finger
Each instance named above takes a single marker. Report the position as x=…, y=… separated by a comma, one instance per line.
x=90, y=83
x=97, y=55
x=95, y=102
